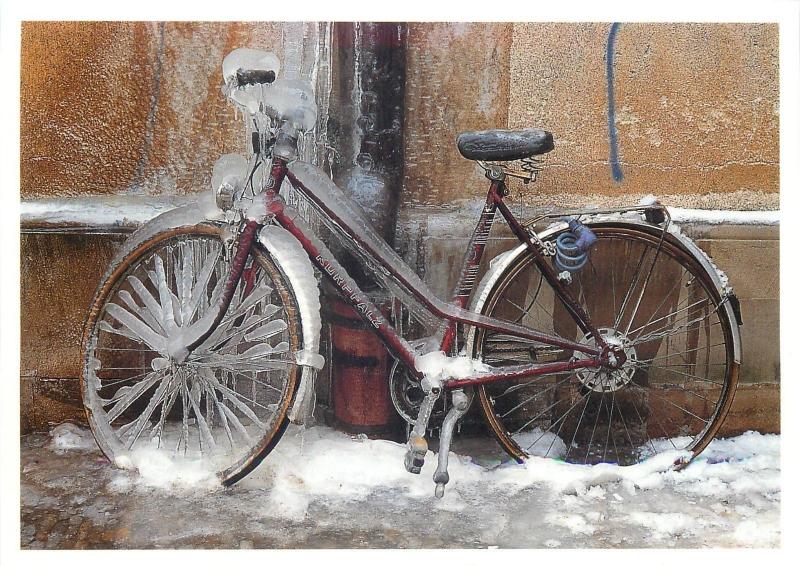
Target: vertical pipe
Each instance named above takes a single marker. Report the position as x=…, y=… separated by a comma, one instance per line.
x=366, y=127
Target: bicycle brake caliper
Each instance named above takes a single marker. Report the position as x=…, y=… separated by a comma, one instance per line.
x=417, y=445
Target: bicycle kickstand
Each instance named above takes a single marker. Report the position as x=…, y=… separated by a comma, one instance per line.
x=417, y=445
x=457, y=410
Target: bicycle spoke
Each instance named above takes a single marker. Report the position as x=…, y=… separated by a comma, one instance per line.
x=202, y=425
x=626, y=298
x=692, y=376
x=664, y=398
x=577, y=427
x=630, y=333
x=625, y=425
x=531, y=398
x=665, y=331
x=608, y=433
x=233, y=396
x=137, y=327
x=560, y=419
x=120, y=382
x=594, y=428
x=144, y=418
x=141, y=312
x=131, y=394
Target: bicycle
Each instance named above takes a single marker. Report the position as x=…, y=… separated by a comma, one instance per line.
x=203, y=337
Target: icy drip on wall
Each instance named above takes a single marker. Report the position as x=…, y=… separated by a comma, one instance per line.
x=367, y=125
x=307, y=56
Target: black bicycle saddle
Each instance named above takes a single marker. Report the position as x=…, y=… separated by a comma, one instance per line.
x=504, y=145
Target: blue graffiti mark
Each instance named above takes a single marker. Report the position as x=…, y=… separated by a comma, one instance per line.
x=616, y=168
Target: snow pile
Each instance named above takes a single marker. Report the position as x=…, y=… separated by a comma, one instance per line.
x=538, y=442
x=663, y=525
x=439, y=365
x=732, y=489
x=156, y=468
x=320, y=463
x=705, y=216
x=68, y=436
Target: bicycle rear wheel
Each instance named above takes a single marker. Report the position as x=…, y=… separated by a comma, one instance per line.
x=224, y=406
x=660, y=305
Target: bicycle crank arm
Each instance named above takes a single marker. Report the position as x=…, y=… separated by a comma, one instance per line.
x=417, y=445
x=459, y=408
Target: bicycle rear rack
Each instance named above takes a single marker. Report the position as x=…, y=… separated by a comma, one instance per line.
x=655, y=213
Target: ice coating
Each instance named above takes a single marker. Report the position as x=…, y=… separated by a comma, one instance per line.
x=229, y=169
x=292, y=100
x=248, y=59
x=725, y=287
x=205, y=210
x=437, y=365
x=294, y=262
x=315, y=185
x=202, y=210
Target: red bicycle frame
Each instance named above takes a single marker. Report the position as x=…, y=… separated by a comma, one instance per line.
x=324, y=260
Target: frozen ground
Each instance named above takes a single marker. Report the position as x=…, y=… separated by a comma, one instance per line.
x=324, y=489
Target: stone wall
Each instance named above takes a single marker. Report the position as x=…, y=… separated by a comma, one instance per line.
x=134, y=110
x=695, y=109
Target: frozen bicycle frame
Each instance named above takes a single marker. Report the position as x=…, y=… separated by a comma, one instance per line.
x=605, y=360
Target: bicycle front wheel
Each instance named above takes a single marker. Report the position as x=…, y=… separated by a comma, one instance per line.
x=224, y=406
x=657, y=302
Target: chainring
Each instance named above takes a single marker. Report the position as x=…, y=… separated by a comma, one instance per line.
x=407, y=395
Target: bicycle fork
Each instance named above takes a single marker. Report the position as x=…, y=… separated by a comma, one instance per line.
x=418, y=446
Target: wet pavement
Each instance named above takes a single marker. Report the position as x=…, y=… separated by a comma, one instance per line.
x=74, y=499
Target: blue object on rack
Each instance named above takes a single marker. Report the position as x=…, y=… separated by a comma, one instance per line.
x=572, y=248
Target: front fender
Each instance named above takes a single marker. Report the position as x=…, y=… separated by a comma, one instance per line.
x=293, y=261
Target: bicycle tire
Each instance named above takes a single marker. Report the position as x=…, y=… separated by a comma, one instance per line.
x=647, y=385
x=266, y=318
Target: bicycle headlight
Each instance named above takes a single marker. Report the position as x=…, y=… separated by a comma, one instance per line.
x=225, y=195
x=227, y=179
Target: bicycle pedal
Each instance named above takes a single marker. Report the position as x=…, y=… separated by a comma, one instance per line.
x=414, y=462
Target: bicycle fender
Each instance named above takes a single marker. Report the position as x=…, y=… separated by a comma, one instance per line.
x=504, y=261
x=204, y=209
x=293, y=261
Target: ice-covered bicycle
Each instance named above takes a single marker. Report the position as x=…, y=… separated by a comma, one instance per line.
x=606, y=336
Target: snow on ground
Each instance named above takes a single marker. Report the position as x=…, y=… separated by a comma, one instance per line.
x=321, y=479
x=68, y=436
